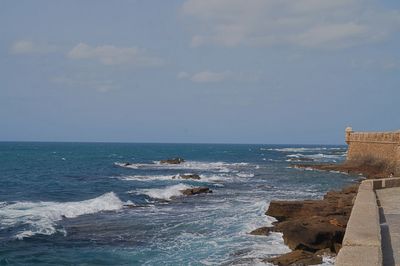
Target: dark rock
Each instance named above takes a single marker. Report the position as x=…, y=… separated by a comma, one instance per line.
x=127, y=164
x=311, y=234
x=195, y=191
x=262, y=231
x=173, y=161
x=297, y=257
x=188, y=176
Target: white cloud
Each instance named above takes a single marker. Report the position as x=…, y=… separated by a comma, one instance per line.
x=212, y=76
x=208, y=76
x=183, y=75
x=112, y=55
x=29, y=48
x=305, y=23
x=85, y=82
x=205, y=76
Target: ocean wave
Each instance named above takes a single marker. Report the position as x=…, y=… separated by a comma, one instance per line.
x=245, y=175
x=163, y=193
x=41, y=217
x=192, y=165
x=203, y=178
x=314, y=157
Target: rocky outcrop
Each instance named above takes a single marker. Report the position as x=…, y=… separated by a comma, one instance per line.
x=195, y=191
x=176, y=160
x=367, y=168
x=296, y=257
x=262, y=231
x=187, y=176
x=310, y=226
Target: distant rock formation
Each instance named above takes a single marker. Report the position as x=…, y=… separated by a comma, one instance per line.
x=176, y=160
x=188, y=176
x=195, y=191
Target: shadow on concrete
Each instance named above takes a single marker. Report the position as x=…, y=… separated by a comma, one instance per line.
x=387, y=250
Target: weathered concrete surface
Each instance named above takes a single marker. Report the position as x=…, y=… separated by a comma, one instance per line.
x=362, y=240
x=389, y=199
x=359, y=256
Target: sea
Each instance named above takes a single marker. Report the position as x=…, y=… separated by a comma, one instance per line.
x=82, y=204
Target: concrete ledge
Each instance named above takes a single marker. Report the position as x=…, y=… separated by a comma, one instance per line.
x=359, y=256
x=362, y=240
x=363, y=227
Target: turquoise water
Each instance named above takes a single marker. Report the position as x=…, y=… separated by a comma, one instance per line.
x=76, y=203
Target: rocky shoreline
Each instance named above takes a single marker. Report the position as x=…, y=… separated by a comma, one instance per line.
x=313, y=228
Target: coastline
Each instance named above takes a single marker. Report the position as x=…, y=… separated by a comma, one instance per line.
x=315, y=228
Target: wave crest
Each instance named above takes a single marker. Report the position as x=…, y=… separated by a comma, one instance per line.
x=41, y=217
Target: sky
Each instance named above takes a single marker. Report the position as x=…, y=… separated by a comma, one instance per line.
x=198, y=71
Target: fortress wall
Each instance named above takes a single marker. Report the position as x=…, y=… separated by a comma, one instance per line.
x=377, y=146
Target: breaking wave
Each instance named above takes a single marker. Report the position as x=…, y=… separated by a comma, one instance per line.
x=163, y=193
x=41, y=217
x=192, y=165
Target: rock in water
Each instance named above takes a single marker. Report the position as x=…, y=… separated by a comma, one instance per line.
x=188, y=176
x=297, y=257
x=262, y=231
x=176, y=160
x=195, y=191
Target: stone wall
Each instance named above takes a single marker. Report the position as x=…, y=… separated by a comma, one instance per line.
x=381, y=147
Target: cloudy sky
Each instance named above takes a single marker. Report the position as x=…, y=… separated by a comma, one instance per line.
x=224, y=71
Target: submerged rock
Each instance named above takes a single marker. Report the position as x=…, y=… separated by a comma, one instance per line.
x=262, y=231
x=297, y=257
x=176, y=160
x=195, y=191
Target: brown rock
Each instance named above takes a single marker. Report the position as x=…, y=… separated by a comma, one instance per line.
x=312, y=233
x=297, y=257
x=262, y=231
x=314, y=224
x=176, y=160
x=188, y=176
x=195, y=191
x=324, y=252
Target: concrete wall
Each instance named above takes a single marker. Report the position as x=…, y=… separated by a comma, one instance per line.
x=377, y=146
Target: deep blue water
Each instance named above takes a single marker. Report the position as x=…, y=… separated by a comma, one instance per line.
x=75, y=203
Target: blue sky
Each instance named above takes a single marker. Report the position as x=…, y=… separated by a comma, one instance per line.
x=223, y=71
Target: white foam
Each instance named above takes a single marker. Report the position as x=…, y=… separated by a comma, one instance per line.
x=41, y=217
x=164, y=193
x=193, y=165
x=245, y=175
x=208, y=178
x=302, y=149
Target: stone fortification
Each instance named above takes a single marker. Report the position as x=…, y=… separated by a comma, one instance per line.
x=374, y=148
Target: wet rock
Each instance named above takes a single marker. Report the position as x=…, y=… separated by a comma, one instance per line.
x=188, y=176
x=311, y=234
x=297, y=257
x=176, y=160
x=127, y=164
x=262, y=231
x=195, y=191
x=313, y=225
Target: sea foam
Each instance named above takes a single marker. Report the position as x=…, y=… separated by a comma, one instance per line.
x=164, y=193
x=41, y=217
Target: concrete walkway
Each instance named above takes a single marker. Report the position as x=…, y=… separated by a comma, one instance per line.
x=389, y=201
